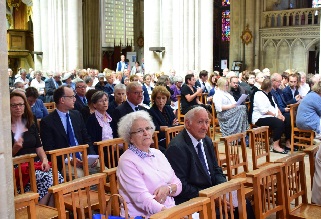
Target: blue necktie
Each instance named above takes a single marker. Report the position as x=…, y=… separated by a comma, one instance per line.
x=84, y=100
x=71, y=136
x=201, y=157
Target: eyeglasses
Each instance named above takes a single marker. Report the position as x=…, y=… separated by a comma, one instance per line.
x=81, y=87
x=141, y=131
x=138, y=92
x=72, y=97
x=14, y=105
x=102, y=101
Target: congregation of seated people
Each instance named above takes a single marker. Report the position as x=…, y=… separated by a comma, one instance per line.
x=130, y=104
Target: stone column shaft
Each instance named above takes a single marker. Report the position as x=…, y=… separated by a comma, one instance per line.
x=206, y=35
x=250, y=20
x=37, y=33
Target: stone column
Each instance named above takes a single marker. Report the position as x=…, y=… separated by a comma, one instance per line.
x=256, y=32
x=6, y=180
x=44, y=29
x=206, y=35
x=191, y=34
x=37, y=33
x=153, y=60
x=177, y=32
x=250, y=20
x=167, y=34
x=74, y=27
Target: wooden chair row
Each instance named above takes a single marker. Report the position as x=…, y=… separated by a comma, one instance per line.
x=50, y=106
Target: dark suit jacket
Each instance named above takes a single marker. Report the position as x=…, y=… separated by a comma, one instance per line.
x=146, y=95
x=50, y=87
x=288, y=97
x=79, y=104
x=184, y=160
x=53, y=134
x=120, y=111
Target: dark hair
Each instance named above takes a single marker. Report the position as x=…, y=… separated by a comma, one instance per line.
x=32, y=92
x=98, y=95
x=89, y=94
x=203, y=73
x=285, y=75
x=27, y=114
x=58, y=93
x=188, y=77
x=266, y=84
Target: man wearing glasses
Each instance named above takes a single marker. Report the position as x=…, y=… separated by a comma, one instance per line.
x=134, y=93
x=81, y=100
x=65, y=127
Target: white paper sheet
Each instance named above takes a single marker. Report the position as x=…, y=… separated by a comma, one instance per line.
x=241, y=99
x=19, y=130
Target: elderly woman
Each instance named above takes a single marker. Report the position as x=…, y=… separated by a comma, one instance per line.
x=26, y=140
x=266, y=113
x=309, y=111
x=86, y=111
x=98, y=123
x=162, y=114
x=147, y=181
x=231, y=117
x=37, y=107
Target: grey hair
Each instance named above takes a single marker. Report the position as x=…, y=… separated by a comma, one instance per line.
x=119, y=86
x=177, y=78
x=126, y=122
x=132, y=85
x=23, y=70
x=88, y=79
x=191, y=113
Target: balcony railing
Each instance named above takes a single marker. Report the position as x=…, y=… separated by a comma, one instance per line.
x=292, y=17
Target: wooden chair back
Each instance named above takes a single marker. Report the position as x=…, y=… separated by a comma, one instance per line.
x=259, y=142
x=26, y=203
x=113, y=189
x=236, y=157
x=180, y=116
x=155, y=140
x=29, y=201
x=269, y=191
x=79, y=190
x=19, y=168
x=109, y=152
x=185, y=210
x=171, y=132
x=220, y=194
x=50, y=106
x=221, y=157
x=311, y=152
x=215, y=126
x=299, y=137
x=64, y=160
x=294, y=181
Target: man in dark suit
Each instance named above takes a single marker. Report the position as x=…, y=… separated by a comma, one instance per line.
x=51, y=85
x=54, y=127
x=81, y=100
x=134, y=92
x=201, y=82
x=290, y=92
x=191, y=155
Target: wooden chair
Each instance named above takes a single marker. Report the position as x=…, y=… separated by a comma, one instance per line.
x=109, y=152
x=295, y=188
x=223, y=192
x=221, y=157
x=311, y=152
x=259, y=142
x=215, y=126
x=65, y=160
x=50, y=106
x=113, y=184
x=185, y=209
x=236, y=157
x=26, y=204
x=180, y=116
x=155, y=139
x=81, y=195
x=299, y=137
x=28, y=201
x=268, y=193
x=171, y=132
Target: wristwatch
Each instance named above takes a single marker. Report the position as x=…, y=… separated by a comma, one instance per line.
x=170, y=190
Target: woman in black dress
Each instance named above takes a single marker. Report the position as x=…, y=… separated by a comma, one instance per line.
x=26, y=140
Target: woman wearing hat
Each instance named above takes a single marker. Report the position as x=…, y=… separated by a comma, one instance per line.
x=67, y=80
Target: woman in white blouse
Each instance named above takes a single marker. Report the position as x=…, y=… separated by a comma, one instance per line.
x=231, y=117
x=267, y=113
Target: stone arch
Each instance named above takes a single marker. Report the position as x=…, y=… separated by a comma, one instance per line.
x=283, y=55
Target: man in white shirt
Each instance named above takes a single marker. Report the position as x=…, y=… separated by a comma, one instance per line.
x=23, y=78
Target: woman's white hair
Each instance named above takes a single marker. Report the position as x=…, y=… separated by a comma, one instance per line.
x=126, y=122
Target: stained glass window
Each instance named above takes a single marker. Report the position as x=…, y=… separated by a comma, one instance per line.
x=225, y=2
x=226, y=25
